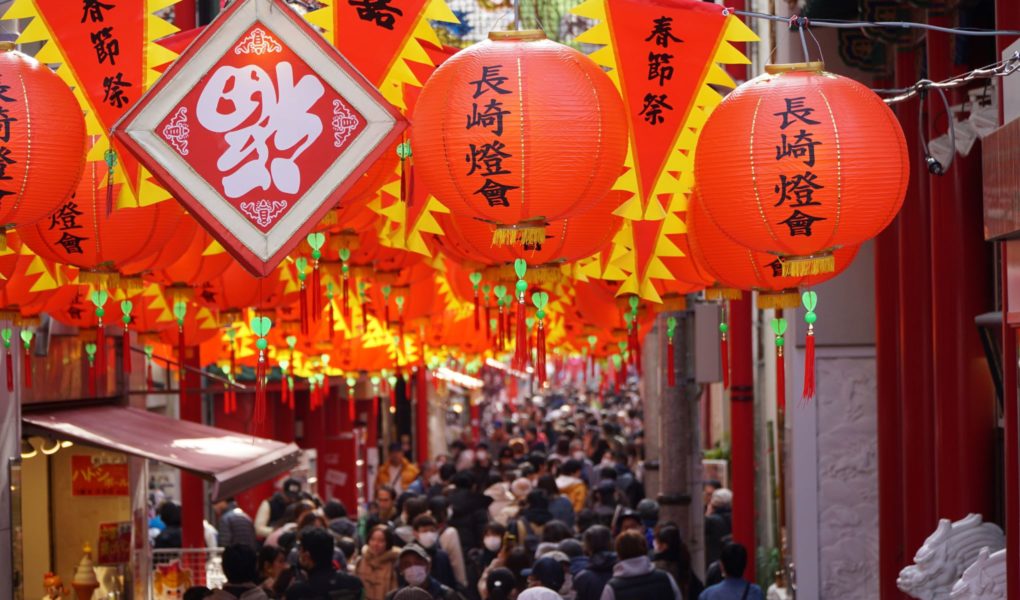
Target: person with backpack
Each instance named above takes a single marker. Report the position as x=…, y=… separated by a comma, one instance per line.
x=634, y=576
x=733, y=561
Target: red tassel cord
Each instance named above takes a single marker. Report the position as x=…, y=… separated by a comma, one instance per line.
x=125, y=351
x=260, y=390
x=809, y=364
x=100, y=346
x=478, y=311
x=386, y=313
x=541, y=353
x=9, y=363
x=488, y=320
x=509, y=325
x=345, y=290
x=316, y=292
x=500, y=329
x=290, y=392
x=180, y=357
x=148, y=375
x=332, y=318
x=27, y=367
x=781, y=380
x=670, y=363
x=303, y=309
x=364, y=318
x=521, y=349
x=92, y=377
x=636, y=350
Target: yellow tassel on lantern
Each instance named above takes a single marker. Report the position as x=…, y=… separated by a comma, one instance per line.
x=529, y=233
x=722, y=293
x=808, y=265
x=99, y=279
x=774, y=300
x=671, y=303
x=132, y=284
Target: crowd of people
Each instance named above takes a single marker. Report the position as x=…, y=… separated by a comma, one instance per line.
x=549, y=505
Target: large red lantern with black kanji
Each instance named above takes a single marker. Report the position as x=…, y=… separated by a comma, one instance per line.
x=42, y=139
x=799, y=162
x=519, y=131
x=736, y=266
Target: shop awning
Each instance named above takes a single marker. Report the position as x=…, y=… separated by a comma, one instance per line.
x=233, y=461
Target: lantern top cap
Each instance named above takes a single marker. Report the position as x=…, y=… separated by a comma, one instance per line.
x=809, y=67
x=523, y=35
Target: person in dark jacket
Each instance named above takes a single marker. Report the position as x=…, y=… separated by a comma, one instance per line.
x=323, y=580
x=413, y=568
x=718, y=524
x=671, y=555
x=234, y=526
x=634, y=576
x=470, y=510
x=170, y=537
x=598, y=545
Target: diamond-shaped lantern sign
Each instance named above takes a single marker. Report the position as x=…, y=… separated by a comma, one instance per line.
x=259, y=128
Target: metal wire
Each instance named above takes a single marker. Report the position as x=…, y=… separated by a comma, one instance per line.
x=1003, y=68
x=878, y=24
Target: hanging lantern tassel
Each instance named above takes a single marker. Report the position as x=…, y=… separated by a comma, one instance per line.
x=180, y=311
x=476, y=279
x=487, y=290
x=6, y=333
x=810, y=301
x=724, y=349
x=500, y=291
x=400, y=316
x=521, y=340
x=386, y=305
x=316, y=241
x=110, y=156
x=290, y=392
x=670, y=354
x=592, y=340
x=99, y=298
x=283, y=381
x=301, y=264
x=148, y=368
x=26, y=338
x=345, y=275
x=125, y=349
x=260, y=326
x=635, y=349
x=541, y=300
x=779, y=329
x=90, y=353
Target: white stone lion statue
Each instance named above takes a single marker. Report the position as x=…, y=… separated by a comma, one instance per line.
x=942, y=558
x=985, y=579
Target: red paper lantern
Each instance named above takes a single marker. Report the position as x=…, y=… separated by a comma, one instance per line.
x=739, y=267
x=80, y=231
x=44, y=139
x=799, y=162
x=519, y=131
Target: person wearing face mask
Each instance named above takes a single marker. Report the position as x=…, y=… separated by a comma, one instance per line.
x=426, y=536
x=449, y=540
x=413, y=567
x=484, y=560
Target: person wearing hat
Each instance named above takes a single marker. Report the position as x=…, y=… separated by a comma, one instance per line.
x=413, y=568
x=270, y=512
x=546, y=575
x=397, y=472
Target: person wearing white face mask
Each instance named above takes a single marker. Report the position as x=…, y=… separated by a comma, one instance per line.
x=413, y=566
x=426, y=536
x=490, y=556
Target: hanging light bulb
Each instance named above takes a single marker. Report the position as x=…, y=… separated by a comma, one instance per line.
x=27, y=449
x=50, y=446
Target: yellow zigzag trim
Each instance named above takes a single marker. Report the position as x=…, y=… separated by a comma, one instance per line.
x=51, y=53
x=625, y=255
x=399, y=74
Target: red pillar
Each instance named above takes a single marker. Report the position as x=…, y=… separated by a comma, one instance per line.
x=887, y=350
x=916, y=431
x=1007, y=16
x=192, y=486
x=963, y=393
x=1011, y=419
x=742, y=454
